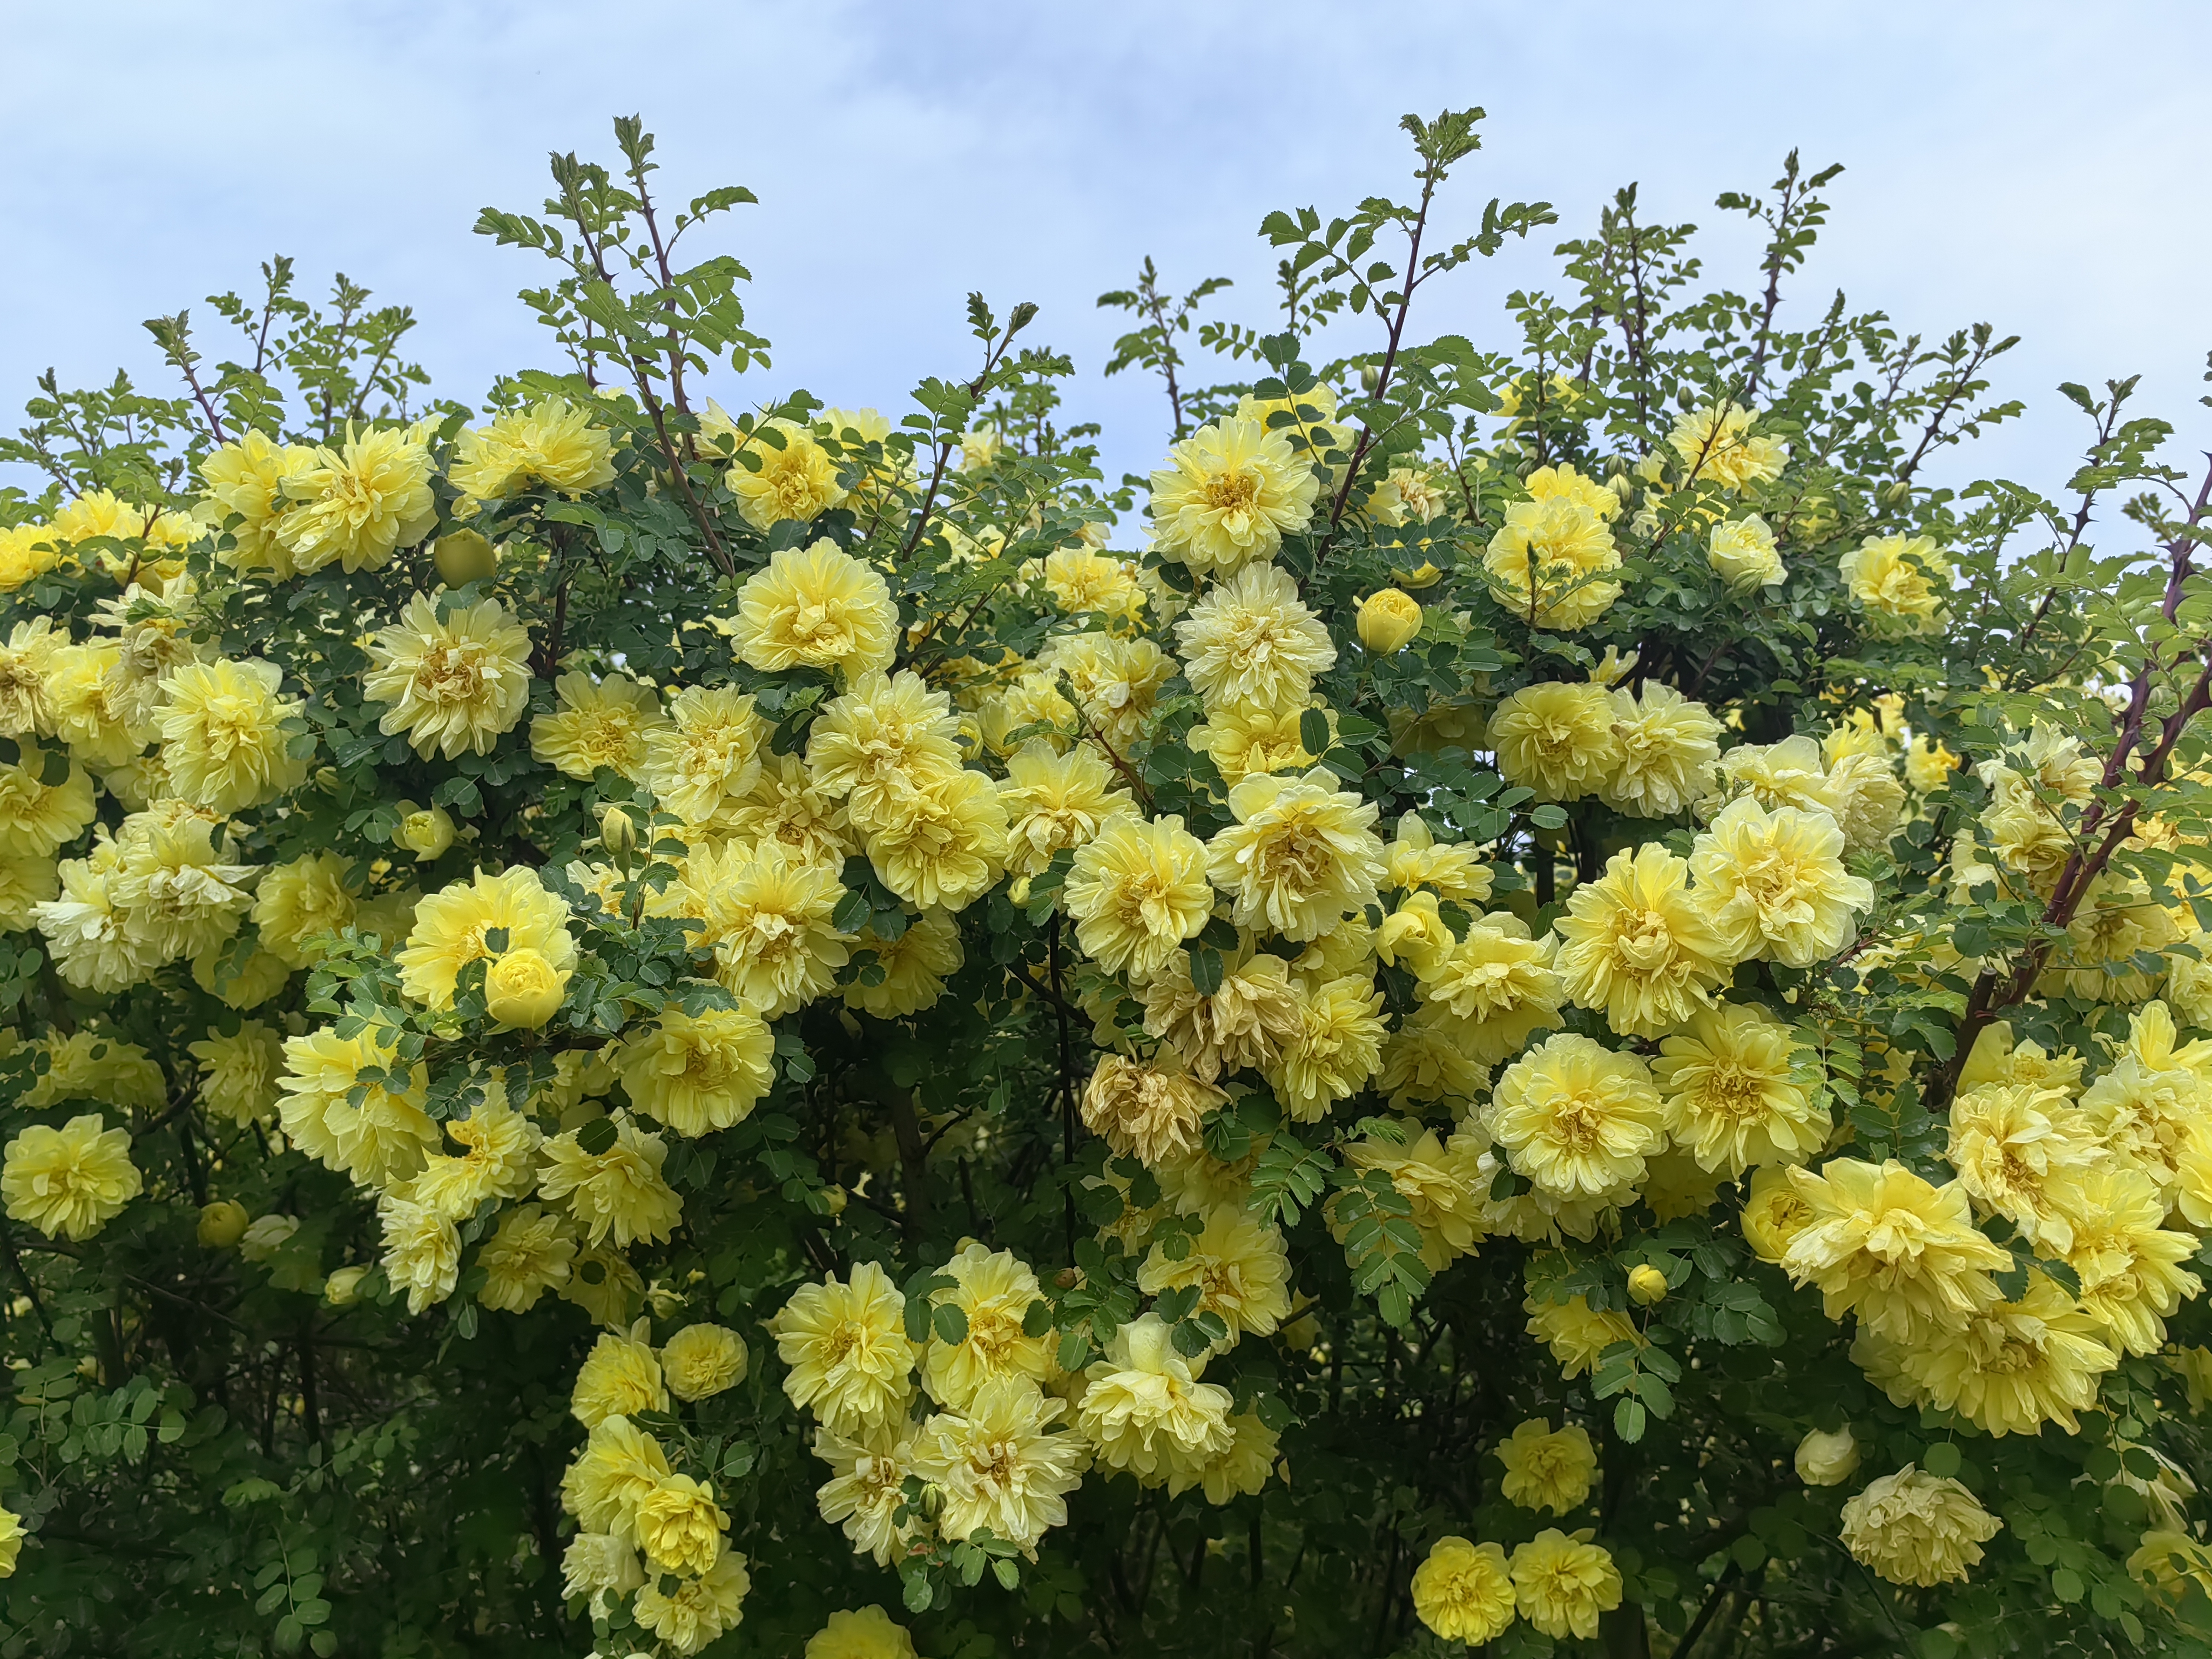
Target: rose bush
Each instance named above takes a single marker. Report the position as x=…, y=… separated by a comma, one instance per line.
x=1535, y=998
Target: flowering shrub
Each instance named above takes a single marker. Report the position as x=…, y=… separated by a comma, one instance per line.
x=1537, y=998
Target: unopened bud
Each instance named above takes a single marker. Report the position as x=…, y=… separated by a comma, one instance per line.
x=1388, y=621
x=522, y=989
x=1828, y=1459
x=1646, y=1286
x=618, y=835
x=222, y=1224
x=464, y=556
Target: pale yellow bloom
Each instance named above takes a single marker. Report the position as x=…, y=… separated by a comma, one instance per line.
x=1742, y=552
x=455, y=926
x=245, y=481
x=1463, y=1591
x=1243, y=740
x=865, y=1494
x=1054, y=801
x=699, y=1074
x=1250, y=642
x=2129, y=1262
x=69, y=1182
x=223, y=740
x=845, y=1348
x=1715, y=444
x=356, y=506
x=422, y=1249
x=1735, y=1096
x=1776, y=884
x=599, y=723
x=1901, y=1253
x=821, y=608
x=1577, y=1333
x=1827, y=1458
x=867, y=1633
x=2018, y=1151
x=1240, y=1265
x=699, y=1609
x=619, y=1377
x=1229, y=495
x=1083, y=583
x=703, y=1360
x=1301, y=853
x=1115, y=682
x=1556, y=739
x=455, y=681
x=1388, y=621
x=617, y=1194
x=1145, y=1404
x=298, y=901
x=1578, y=1119
x=239, y=1073
x=1638, y=945
x=942, y=844
x=768, y=918
x=1668, y=749
x=707, y=757
x=1550, y=563
x=915, y=966
x=1548, y=1469
x=1562, y=1583
x=532, y=1252
x=2017, y=1366
x=993, y=1290
x=1901, y=579
x=781, y=472
x=1336, y=1048
x=550, y=443
x=383, y=1138
x=1501, y=982
x=883, y=738
x=1137, y=890
x=784, y=805
x=1244, y=1024
x=1440, y=1180
x=1914, y=1527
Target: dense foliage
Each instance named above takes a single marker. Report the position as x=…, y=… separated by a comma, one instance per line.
x=1567, y=1009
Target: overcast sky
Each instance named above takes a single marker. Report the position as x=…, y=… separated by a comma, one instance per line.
x=2045, y=167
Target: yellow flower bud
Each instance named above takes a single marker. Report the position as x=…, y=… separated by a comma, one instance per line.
x=1826, y=1459
x=340, y=1288
x=1646, y=1286
x=222, y=1224
x=700, y=1360
x=522, y=989
x=618, y=835
x=1388, y=620
x=464, y=556
x=425, y=831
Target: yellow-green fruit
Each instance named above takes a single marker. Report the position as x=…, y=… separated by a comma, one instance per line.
x=1646, y=1286
x=464, y=556
x=222, y=1224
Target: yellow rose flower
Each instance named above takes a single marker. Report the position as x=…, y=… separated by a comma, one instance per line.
x=69, y=1182
x=2016, y=1367
x=238, y=1074
x=1239, y=1264
x=456, y=676
x=1901, y=1253
x=356, y=506
x=599, y=723
x=767, y=917
x=699, y=1074
x=550, y=443
x=1229, y=493
x=1463, y=1591
x=1577, y=1333
x=1500, y=982
x=523, y=989
x=781, y=472
x=1578, y=1119
x=1137, y=890
x=1054, y=801
x=422, y=1249
x=703, y=1360
x=382, y=1138
x=698, y=1610
x=1336, y=1048
x=1637, y=944
x=530, y=1255
x=1734, y=1095
x=1900, y=580
x=821, y=608
x=883, y=738
x=1716, y=445
x=297, y=900
x=1251, y=642
x=993, y=1290
x=1388, y=621
x=1301, y=855
x=457, y=926
x=425, y=831
x=1548, y=564
x=1668, y=749
x=1742, y=552
x=1562, y=1583
x=1556, y=739
x=617, y=1194
x=619, y=1377
x=1548, y=1469
x=36, y=817
x=915, y=966
x=868, y=1633
x=942, y=844
x=1827, y=1458
x=845, y=1349
x=1914, y=1527
x=223, y=735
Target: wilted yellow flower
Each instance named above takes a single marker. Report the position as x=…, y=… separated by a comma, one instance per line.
x=550, y=443
x=1914, y=1527
x=846, y=1349
x=1901, y=579
x=821, y=608
x=1463, y=1591
x=1115, y=682
x=1548, y=1469
x=619, y=1377
x=454, y=927
x=455, y=681
x=1229, y=493
x=699, y=1609
x=1388, y=621
x=354, y=507
x=239, y=1073
x=1549, y=563
x=69, y=1182
x=1715, y=444
x=865, y=1494
x=1251, y=642
x=767, y=917
x=1901, y=1253
x=993, y=1290
x=1562, y=1583
x=1556, y=739
x=1639, y=945
x=781, y=472
x=699, y=1074
x=1301, y=853
x=1145, y=1112
x=1244, y=1023
x=701, y=1361
x=422, y=1249
x=1734, y=1099
x=1137, y=890
x=1578, y=1118
x=1668, y=749
x=1336, y=1048
x=599, y=723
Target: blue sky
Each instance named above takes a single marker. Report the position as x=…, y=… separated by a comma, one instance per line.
x=2044, y=167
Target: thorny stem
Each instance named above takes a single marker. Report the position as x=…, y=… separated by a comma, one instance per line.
x=1982, y=354
x=1360, y=450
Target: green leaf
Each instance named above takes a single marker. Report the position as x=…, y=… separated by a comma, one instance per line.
x=1942, y=1459
x=950, y=1323
x=1628, y=1419
x=597, y=1136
